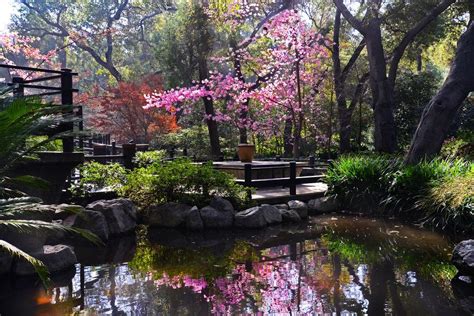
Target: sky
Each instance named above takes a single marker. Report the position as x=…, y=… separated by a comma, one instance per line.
x=7, y=7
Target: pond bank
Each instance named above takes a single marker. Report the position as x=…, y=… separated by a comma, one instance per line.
x=330, y=263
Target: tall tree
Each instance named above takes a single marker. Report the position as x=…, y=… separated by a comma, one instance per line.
x=442, y=109
x=382, y=82
x=340, y=85
x=187, y=42
x=107, y=30
x=119, y=111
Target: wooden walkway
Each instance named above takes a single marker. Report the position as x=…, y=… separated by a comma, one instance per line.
x=304, y=192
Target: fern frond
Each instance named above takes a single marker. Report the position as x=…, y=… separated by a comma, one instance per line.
x=39, y=266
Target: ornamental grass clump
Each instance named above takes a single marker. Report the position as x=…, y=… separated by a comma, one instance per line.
x=438, y=193
x=410, y=183
x=361, y=179
x=450, y=202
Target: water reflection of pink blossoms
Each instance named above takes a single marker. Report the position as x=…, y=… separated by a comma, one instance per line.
x=271, y=287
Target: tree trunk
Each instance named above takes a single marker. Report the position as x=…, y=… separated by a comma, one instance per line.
x=345, y=129
x=243, y=138
x=288, y=146
x=209, y=109
x=441, y=110
x=382, y=92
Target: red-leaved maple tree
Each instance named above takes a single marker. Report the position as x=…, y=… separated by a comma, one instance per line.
x=119, y=111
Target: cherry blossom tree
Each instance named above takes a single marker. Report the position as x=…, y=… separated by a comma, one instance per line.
x=271, y=77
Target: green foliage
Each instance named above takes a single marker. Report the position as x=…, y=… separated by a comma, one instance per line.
x=412, y=93
x=439, y=192
x=451, y=201
x=180, y=181
x=461, y=146
x=360, y=177
x=12, y=208
x=96, y=176
x=193, y=141
x=41, y=143
x=146, y=158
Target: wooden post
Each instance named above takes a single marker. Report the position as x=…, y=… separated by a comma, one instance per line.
x=311, y=161
x=67, y=99
x=114, y=148
x=293, y=178
x=129, y=151
x=79, y=114
x=19, y=89
x=100, y=150
x=248, y=179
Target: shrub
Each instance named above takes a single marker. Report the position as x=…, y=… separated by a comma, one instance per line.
x=451, y=201
x=180, y=181
x=362, y=178
x=96, y=176
x=410, y=183
x=459, y=147
x=439, y=192
x=146, y=158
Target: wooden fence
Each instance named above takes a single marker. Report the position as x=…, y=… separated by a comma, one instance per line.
x=47, y=82
x=290, y=182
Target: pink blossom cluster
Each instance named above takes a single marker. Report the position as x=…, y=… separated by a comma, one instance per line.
x=267, y=90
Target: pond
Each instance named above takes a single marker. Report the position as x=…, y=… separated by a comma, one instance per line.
x=332, y=264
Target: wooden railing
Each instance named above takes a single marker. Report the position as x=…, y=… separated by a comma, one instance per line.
x=291, y=182
x=63, y=86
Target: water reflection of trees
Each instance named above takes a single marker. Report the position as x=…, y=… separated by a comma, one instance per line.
x=339, y=271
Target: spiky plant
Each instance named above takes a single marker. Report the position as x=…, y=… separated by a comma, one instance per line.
x=19, y=119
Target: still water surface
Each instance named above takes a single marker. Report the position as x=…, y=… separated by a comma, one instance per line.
x=333, y=265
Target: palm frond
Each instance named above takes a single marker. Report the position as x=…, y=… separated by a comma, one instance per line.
x=39, y=266
x=28, y=226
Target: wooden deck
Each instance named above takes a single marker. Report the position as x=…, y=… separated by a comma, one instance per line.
x=304, y=192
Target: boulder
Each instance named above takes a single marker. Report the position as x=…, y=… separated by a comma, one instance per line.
x=91, y=220
x=120, y=214
x=290, y=216
x=213, y=218
x=221, y=204
x=327, y=204
x=30, y=242
x=271, y=213
x=56, y=258
x=258, y=216
x=250, y=218
x=463, y=257
x=299, y=207
x=167, y=215
x=194, y=220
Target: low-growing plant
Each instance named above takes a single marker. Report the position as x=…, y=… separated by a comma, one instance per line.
x=96, y=176
x=410, y=183
x=146, y=158
x=361, y=178
x=181, y=181
x=459, y=147
x=451, y=201
x=438, y=192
